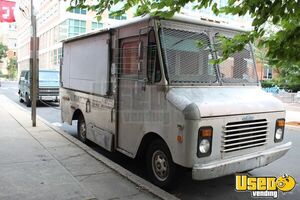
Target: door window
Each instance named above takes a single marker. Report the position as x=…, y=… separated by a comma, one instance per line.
x=153, y=67
x=27, y=76
x=130, y=58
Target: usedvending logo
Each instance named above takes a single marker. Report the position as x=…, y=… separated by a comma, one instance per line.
x=264, y=186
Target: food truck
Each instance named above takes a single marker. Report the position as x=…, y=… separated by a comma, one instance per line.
x=148, y=88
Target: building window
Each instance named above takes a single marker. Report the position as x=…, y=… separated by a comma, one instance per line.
x=78, y=11
x=268, y=72
x=122, y=17
x=96, y=25
x=54, y=57
x=63, y=30
x=59, y=54
x=76, y=27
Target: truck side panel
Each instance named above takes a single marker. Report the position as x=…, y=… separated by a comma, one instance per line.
x=85, y=64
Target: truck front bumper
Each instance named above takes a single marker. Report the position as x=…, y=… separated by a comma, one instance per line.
x=49, y=98
x=239, y=164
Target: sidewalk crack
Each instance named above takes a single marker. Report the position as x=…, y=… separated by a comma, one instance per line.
x=73, y=156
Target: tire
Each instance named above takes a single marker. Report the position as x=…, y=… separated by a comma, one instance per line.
x=20, y=98
x=160, y=166
x=27, y=100
x=81, y=129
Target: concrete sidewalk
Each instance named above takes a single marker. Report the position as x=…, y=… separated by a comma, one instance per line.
x=40, y=163
x=293, y=114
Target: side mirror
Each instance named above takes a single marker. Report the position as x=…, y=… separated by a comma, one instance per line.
x=22, y=78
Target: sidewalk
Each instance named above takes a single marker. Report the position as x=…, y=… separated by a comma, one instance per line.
x=293, y=114
x=40, y=163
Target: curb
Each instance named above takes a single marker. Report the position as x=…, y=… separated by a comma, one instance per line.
x=140, y=182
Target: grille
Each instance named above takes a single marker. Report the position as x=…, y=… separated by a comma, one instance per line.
x=48, y=91
x=244, y=134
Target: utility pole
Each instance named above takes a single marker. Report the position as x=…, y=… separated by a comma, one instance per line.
x=33, y=66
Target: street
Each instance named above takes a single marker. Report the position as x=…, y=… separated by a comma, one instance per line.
x=220, y=188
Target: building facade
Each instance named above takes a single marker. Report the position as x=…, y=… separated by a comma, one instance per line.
x=208, y=14
x=8, y=37
x=54, y=24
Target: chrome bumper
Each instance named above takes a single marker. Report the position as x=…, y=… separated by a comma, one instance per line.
x=238, y=164
x=48, y=98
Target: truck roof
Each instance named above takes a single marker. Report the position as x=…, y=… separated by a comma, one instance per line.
x=176, y=17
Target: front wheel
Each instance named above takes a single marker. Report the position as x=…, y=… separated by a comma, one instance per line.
x=160, y=166
x=27, y=100
x=81, y=129
x=20, y=98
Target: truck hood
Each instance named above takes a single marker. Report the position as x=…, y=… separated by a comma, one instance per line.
x=219, y=101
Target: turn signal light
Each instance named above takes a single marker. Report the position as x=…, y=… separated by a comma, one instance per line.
x=180, y=138
x=206, y=132
x=280, y=123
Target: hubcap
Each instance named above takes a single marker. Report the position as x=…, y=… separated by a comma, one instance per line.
x=82, y=130
x=160, y=165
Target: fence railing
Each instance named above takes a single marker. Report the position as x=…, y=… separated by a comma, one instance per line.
x=287, y=97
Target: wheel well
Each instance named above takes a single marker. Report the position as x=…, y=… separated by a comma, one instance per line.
x=76, y=114
x=147, y=139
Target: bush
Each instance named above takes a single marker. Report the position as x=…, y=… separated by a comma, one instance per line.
x=293, y=87
x=267, y=83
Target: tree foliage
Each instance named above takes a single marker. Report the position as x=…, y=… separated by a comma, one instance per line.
x=3, y=50
x=12, y=68
x=283, y=16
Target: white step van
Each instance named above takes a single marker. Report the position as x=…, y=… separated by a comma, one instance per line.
x=148, y=88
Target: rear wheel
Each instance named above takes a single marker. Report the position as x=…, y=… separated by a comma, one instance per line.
x=160, y=166
x=27, y=100
x=81, y=129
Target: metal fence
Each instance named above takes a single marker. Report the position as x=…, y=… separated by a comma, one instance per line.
x=287, y=97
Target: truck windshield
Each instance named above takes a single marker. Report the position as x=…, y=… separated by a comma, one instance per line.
x=187, y=58
x=49, y=76
x=238, y=68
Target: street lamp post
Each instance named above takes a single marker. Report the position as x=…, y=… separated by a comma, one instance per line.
x=33, y=66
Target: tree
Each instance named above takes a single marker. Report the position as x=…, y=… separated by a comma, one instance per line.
x=3, y=50
x=12, y=68
x=282, y=45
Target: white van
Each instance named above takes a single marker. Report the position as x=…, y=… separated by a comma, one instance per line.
x=147, y=88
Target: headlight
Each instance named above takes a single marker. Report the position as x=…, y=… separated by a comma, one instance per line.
x=204, y=146
x=204, y=141
x=278, y=134
x=279, y=130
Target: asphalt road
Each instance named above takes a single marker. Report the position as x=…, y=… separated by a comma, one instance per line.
x=220, y=188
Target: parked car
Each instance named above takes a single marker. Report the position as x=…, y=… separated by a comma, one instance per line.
x=48, y=85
